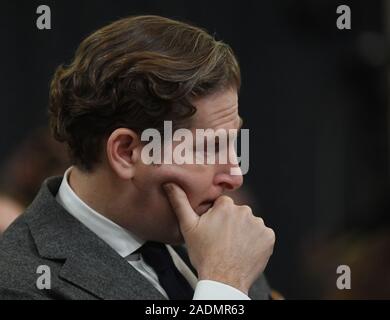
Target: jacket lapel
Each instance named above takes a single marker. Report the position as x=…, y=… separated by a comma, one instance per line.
x=90, y=263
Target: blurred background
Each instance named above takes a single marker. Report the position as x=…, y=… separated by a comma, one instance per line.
x=314, y=97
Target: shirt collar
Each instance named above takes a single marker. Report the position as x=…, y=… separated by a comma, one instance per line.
x=118, y=238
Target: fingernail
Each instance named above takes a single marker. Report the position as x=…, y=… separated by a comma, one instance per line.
x=167, y=187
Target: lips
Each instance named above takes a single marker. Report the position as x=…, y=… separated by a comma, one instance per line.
x=205, y=206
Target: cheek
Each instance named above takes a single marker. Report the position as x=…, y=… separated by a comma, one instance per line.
x=195, y=180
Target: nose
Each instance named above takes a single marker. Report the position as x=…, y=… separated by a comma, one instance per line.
x=228, y=181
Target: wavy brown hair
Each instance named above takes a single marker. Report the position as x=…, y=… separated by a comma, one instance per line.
x=135, y=73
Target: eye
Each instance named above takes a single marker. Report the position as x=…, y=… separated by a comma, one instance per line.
x=218, y=147
x=216, y=143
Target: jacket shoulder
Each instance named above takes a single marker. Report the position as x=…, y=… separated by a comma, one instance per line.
x=19, y=260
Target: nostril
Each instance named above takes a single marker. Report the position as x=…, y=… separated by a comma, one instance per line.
x=228, y=182
x=227, y=186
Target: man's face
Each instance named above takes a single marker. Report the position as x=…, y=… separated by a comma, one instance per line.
x=202, y=183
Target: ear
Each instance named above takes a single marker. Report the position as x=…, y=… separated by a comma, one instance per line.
x=123, y=152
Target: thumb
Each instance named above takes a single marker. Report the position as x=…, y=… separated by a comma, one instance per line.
x=187, y=217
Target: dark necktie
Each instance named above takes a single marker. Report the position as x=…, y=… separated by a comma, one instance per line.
x=156, y=255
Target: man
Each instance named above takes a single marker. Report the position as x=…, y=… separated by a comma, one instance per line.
x=112, y=227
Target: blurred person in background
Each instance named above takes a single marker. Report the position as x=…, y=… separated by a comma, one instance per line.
x=9, y=211
x=365, y=252
x=23, y=172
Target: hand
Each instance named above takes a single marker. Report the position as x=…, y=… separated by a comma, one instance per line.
x=226, y=244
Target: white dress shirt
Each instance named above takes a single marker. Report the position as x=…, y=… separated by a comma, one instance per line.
x=125, y=243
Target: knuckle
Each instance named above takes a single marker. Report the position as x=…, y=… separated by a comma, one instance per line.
x=271, y=235
x=260, y=221
x=246, y=209
x=224, y=200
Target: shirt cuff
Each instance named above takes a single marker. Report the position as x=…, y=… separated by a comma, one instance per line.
x=213, y=290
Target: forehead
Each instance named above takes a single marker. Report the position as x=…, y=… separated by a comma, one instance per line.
x=218, y=110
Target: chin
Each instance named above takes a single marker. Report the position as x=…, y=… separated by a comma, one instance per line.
x=178, y=241
x=174, y=237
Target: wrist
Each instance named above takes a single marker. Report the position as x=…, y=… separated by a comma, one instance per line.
x=230, y=280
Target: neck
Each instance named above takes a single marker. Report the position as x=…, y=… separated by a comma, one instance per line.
x=102, y=192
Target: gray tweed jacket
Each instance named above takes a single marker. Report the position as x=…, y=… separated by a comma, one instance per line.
x=82, y=266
